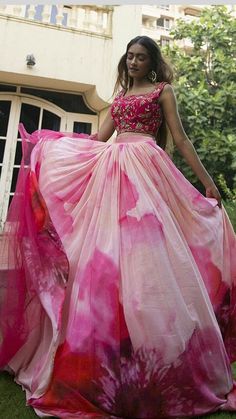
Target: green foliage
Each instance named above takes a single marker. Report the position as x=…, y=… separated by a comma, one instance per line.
x=230, y=207
x=229, y=204
x=205, y=88
x=229, y=194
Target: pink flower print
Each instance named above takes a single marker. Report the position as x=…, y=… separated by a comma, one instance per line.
x=97, y=306
x=61, y=219
x=211, y=275
x=143, y=386
x=147, y=230
x=129, y=195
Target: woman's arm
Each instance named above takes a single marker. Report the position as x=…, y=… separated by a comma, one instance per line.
x=170, y=111
x=107, y=128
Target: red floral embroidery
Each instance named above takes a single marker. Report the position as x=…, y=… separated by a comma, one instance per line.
x=138, y=113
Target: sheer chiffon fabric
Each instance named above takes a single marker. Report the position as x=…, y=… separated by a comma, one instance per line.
x=118, y=293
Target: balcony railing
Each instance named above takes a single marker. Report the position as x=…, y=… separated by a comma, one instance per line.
x=94, y=19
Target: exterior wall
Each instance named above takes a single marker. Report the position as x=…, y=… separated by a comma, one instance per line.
x=60, y=56
x=66, y=58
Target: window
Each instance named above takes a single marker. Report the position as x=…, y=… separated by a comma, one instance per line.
x=4, y=117
x=5, y=107
x=35, y=114
x=30, y=117
x=7, y=88
x=164, y=22
x=164, y=6
x=164, y=41
x=50, y=121
x=67, y=101
x=83, y=127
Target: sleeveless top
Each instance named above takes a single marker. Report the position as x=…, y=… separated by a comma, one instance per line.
x=138, y=113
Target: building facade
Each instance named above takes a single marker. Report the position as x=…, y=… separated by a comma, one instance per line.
x=58, y=68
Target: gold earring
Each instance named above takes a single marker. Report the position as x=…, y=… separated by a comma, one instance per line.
x=152, y=76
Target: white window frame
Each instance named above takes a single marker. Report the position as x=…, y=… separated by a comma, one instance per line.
x=17, y=99
x=78, y=117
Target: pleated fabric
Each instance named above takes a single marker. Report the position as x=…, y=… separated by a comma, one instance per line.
x=118, y=300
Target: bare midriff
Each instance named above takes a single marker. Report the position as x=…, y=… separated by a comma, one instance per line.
x=127, y=134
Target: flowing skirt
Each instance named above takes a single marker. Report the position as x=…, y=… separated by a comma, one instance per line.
x=118, y=293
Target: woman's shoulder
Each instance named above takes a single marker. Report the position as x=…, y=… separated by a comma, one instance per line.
x=167, y=89
x=119, y=94
x=163, y=86
x=159, y=89
x=167, y=94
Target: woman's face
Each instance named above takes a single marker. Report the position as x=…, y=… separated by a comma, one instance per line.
x=138, y=61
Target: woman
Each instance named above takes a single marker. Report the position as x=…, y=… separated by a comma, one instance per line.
x=120, y=301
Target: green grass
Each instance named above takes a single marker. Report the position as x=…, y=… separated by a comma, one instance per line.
x=12, y=402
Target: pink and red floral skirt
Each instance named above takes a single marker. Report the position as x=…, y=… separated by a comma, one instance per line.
x=119, y=299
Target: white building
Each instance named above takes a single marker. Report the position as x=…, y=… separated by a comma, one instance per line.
x=157, y=21
x=76, y=51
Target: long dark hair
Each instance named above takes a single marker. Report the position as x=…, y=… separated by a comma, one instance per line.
x=162, y=69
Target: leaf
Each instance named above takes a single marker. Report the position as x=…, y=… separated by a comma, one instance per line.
x=206, y=88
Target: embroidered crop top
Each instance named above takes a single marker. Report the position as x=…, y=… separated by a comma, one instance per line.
x=138, y=113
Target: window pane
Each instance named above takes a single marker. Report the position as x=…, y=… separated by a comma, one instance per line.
x=5, y=107
x=160, y=22
x=164, y=6
x=7, y=88
x=29, y=116
x=18, y=155
x=10, y=199
x=82, y=127
x=2, y=148
x=14, y=179
x=164, y=42
x=51, y=121
x=67, y=101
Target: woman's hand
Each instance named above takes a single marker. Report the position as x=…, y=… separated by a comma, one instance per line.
x=212, y=192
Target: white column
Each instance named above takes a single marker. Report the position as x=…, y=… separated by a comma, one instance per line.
x=86, y=17
x=80, y=17
x=17, y=10
x=73, y=17
x=31, y=11
x=100, y=15
x=2, y=8
x=46, y=14
x=59, y=16
x=109, y=23
x=93, y=20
